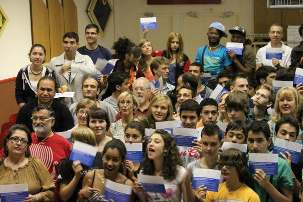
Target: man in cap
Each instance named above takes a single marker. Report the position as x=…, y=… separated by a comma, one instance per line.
x=213, y=57
x=244, y=62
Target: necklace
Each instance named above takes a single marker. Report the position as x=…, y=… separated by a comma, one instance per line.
x=35, y=73
x=213, y=47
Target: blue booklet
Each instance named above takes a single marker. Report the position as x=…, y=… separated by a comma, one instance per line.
x=13, y=192
x=298, y=76
x=168, y=125
x=235, y=47
x=84, y=153
x=117, y=192
x=209, y=178
x=185, y=136
x=151, y=183
x=268, y=162
x=281, y=146
x=274, y=53
x=134, y=152
x=148, y=23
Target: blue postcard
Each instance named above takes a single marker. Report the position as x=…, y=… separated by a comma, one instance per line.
x=84, y=153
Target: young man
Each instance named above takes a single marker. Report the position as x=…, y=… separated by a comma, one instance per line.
x=213, y=57
x=297, y=52
x=197, y=70
x=71, y=66
x=236, y=132
x=245, y=63
x=239, y=83
x=275, y=34
x=189, y=113
x=278, y=187
x=209, y=112
x=92, y=48
x=265, y=75
x=236, y=105
x=262, y=100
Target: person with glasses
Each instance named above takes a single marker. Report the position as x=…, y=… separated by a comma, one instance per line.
x=46, y=90
x=46, y=145
x=232, y=163
x=19, y=167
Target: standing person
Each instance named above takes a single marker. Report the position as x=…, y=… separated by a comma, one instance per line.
x=275, y=34
x=19, y=167
x=213, y=57
x=179, y=62
x=245, y=63
x=71, y=66
x=297, y=52
x=162, y=159
x=92, y=48
x=146, y=58
x=46, y=90
x=28, y=76
x=277, y=187
x=48, y=146
x=98, y=121
x=127, y=108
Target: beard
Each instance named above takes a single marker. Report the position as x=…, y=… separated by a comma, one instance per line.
x=41, y=131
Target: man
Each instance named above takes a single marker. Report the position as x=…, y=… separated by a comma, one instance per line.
x=45, y=97
x=235, y=132
x=71, y=66
x=142, y=92
x=213, y=57
x=224, y=78
x=46, y=145
x=262, y=100
x=269, y=188
x=275, y=34
x=246, y=62
x=202, y=91
x=160, y=70
x=297, y=52
x=236, y=105
x=92, y=48
x=239, y=83
x=91, y=90
x=189, y=113
x=209, y=112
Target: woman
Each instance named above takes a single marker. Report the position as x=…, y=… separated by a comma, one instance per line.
x=98, y=121
x=233, y=171
x=134, y=133
x=19, y=167
x=287, y=103
x=82, y=109
x=127, y=107
x=179, y=62
x=113, y=157
x=162, y=159
x=146, y=58
x=160, y=109
x=71, y=172
x=28, y=76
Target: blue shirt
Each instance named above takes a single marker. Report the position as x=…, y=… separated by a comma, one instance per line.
x=99, y=52
x=213, y=61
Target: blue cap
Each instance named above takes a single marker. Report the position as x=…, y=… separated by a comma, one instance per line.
x=219, y=26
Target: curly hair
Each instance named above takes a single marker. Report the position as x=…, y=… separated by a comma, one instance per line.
x=122, y=46
x=171, y=158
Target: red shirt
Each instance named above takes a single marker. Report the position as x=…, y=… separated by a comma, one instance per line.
x=50, y=151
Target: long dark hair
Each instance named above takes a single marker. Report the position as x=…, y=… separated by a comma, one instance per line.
x=171, y=158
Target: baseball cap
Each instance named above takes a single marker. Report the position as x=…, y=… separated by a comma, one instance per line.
x=237, y=29
x=219, y=26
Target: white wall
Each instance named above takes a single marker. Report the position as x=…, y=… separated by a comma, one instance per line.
x=15, y=40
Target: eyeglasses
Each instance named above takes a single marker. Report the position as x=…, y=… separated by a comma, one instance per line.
x=41, y=118
x=16, y=140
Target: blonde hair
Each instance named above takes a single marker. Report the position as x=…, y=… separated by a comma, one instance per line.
x=177, y=35
x=282, y=92
x=85, y=103
x=160, y=98
x=125, y=95
x=85, y=135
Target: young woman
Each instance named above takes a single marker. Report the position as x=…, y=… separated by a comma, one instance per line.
x=162, y=159
x=127, y=106
x=113, y=157
x=233, y=170
x=98, y=121
x=82, y=109
x=71, y=172
x=19, y=167
x=179, y=62
x=146, y=58
x=28, y=76
x=160, y=109
x=134, y=133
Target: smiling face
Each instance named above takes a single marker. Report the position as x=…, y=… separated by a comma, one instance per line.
x=111, y=162
x=82, y=116
x=155, y=147
x=46, y=91
x=213, y=35
x=91, y=35
x=287, y=103
x=17, y=144
x=147, y=48
x=159, y=110
x=98, y=126
x=37, y=56
x=275, y=33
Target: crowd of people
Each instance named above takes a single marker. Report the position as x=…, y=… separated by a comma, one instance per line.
x=111, y=100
